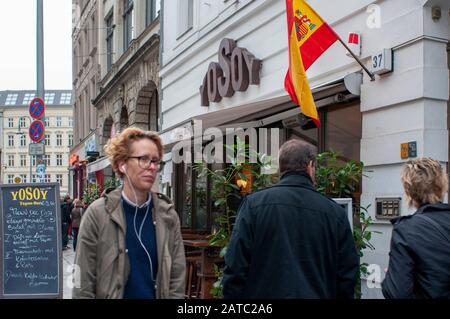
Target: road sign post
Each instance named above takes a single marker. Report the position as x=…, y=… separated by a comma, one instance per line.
x=37, y=130
x=37, y=108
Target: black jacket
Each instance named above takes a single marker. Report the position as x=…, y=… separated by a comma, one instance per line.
x=290, y=241
x=66, y=208
x=419, y=260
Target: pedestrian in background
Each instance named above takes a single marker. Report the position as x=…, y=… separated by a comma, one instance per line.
x=290, y=241
x=76, y=215
x=419, y=260
x=66, y=208
x=129, y=244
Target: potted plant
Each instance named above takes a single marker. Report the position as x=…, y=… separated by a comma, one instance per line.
x=338, y=178
x=230, y=184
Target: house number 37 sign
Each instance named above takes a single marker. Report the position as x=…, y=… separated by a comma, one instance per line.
x=236, y=70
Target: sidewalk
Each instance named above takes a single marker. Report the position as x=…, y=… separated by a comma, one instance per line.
x=68, y=257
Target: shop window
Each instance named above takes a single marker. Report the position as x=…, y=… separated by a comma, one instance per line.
x=343, y=127
x=192, y=197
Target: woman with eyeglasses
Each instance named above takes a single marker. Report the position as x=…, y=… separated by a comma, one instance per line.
x=129, y=242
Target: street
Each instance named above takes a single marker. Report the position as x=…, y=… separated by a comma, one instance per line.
x=68, y=257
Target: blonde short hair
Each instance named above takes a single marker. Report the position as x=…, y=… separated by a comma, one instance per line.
x=424, y=181
x=118, y=147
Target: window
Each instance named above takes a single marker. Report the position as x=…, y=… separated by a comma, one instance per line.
x=11, y=140
x=58, y=139
x=11, y=99
x=23, y=160
x=58, y=159
x=33, y=160
x=59, y=178
x=66, y=98
x=47, y=122
x=33, y=178
x=22, y=122
x=47, y=178
x=23, y=177
x=10, y=122
x=70, y=121
x=127, y=23
x=46, y=159
x=11, y=160
x=185, y=16
x=47, y=140
x=192, y=197
x=150, y=11
x=70, y=140
x=23, y=140
x=10, y=179
x=343, y=127
x=109, y=40
x=58, y=121
x=49, y=98
x=28, y=98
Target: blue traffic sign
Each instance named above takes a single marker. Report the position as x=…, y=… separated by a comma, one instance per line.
x=36, y=131
x=37, y=108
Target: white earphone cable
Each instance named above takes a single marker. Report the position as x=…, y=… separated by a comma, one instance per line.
x=140, y=228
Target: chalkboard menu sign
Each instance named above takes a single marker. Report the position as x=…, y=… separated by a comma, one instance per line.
x=30, y=229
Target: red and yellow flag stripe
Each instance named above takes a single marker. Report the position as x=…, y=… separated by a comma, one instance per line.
x=309, y=37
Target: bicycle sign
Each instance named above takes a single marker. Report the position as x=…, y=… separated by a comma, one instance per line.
x=37, y=108
x=36, y=131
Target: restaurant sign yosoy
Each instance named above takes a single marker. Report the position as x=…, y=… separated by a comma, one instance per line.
x=236, y=70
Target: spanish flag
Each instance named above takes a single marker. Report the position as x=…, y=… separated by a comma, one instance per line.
x=309, y=37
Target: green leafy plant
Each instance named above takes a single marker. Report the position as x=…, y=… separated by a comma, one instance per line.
x=229, y=185
x=90, y=194
x=362, y=236
x=92, y=191
x=336, y=177
x=339, y=178
x=112, y=183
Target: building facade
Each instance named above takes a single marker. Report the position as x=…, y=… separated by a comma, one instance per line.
x=125, y=73
x=16, y=164
x=361, y=119
x=85, y=74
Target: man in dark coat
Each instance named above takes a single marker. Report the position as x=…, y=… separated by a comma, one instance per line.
x=66, y=208
x=290, y=241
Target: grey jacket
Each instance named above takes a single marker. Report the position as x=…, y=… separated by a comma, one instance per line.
x=103, y=265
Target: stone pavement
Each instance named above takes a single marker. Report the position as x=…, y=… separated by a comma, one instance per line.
x=68, y=257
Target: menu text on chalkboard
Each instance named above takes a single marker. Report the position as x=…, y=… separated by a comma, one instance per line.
x=30, y=241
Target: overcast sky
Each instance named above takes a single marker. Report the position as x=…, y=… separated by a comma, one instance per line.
x=18, y=44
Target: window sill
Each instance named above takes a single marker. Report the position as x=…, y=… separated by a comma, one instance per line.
x=184, y=33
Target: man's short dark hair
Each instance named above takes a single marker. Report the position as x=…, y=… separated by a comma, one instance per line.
x=295, y=156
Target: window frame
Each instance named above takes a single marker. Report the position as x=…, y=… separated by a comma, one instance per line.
x=109, y=21
x=127, y=18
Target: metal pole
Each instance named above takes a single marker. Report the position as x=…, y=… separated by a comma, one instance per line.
x=31, y=172
x=370, y=74
x=40, y=59
x=40, y=49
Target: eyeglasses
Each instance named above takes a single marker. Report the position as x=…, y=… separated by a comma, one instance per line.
x=146, y=162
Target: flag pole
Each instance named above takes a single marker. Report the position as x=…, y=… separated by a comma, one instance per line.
x=370, y=74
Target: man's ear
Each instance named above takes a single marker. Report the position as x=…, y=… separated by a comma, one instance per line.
x=310, y=169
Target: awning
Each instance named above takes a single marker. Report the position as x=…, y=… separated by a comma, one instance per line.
x=98, y=165
x=266, y=111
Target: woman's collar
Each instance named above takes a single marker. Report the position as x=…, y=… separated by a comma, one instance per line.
x=134, y=204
